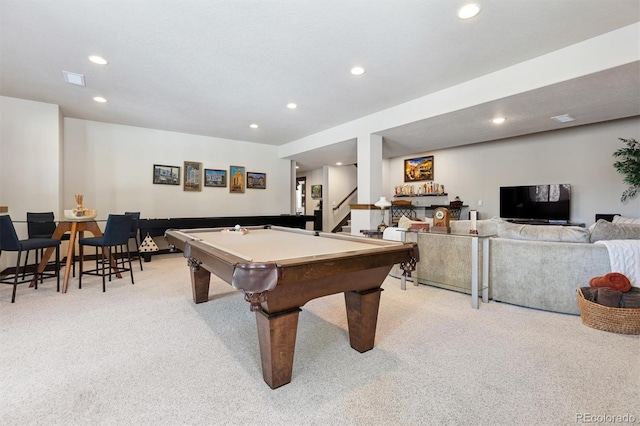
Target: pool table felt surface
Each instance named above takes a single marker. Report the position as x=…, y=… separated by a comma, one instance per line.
x=269, y=245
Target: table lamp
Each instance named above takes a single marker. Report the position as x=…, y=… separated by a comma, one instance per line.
x=383, y=204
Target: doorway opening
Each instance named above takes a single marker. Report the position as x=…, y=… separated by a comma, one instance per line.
x=301, y=193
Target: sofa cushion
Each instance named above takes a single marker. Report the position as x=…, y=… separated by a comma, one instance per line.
x=628, y=220
x=551, y=233
x=604, y=230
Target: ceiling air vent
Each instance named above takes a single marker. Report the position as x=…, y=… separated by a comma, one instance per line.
x=564, y=118
x=73, y=78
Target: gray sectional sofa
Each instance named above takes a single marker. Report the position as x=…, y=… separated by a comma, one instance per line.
x=537, y=266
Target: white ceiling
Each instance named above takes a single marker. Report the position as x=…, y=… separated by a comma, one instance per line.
x=212, y=67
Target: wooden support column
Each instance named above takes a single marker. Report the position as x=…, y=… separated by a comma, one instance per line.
x=369, y=182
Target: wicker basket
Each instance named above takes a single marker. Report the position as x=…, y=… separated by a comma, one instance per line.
x=616, y=320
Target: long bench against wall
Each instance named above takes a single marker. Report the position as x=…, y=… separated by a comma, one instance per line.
x=157, y=227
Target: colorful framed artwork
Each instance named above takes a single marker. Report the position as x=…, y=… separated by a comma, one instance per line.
x=420, y=168
x=256, y=180
x=215, y=178
x=166, y=175
x=236, y=179
x=192, y=176
x=316, y=192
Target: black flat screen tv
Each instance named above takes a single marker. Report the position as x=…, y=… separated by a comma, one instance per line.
x=544, y=203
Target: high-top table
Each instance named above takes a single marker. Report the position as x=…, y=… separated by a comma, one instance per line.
x=73, y=227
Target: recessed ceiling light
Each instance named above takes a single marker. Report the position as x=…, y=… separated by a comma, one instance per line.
x=98, y=60
x=253, y=126
x=338, y=164
x=100, y=99
x=291, y=105
x=498, y=120
x=73, y=78
x=468, y=11
x=357, y=70
x=564, y=118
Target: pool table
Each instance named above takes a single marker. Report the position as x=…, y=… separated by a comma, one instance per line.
x=280, y=269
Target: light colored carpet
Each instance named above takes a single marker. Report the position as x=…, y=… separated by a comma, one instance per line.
x=146, y=354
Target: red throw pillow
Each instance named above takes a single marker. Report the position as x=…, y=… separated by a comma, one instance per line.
x=612, y=280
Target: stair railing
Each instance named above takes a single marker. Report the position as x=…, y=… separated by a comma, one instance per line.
x=342, y=223
x=345, y=199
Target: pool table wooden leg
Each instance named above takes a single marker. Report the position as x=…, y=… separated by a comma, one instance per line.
x=362, y=317
x=277, y=337
x=200, y=279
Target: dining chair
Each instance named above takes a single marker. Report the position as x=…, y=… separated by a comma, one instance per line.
x=455, y=208
x=116, y=234
x=42, y=225
x=9, y=242
x=134, y=234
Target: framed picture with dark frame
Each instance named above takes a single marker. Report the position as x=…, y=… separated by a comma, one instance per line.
x=256, y=180
x=420, y=168
x=192, y=176
x=166, y=175
x=236, y=179
x=215, y=178
x=316, y=192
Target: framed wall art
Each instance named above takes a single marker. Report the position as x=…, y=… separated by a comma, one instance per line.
x=166, y=175
x=420, y=168
x=316, y=192
x=236, y=180
x=215, y=178
x=256, y=180
x=192, y=176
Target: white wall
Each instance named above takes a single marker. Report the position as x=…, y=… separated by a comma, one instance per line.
x=29, y=161
x=337, y=183
x=314, y=177
x=340, y=182
x=580, y=156
x=112, y=165
x=45, y=160
x=29, y=156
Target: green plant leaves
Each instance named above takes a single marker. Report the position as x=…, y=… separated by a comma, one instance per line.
x=628, y=165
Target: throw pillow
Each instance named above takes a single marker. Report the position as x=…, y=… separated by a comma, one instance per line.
x=405, y=222
x=604, y=230
x=612, y=280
